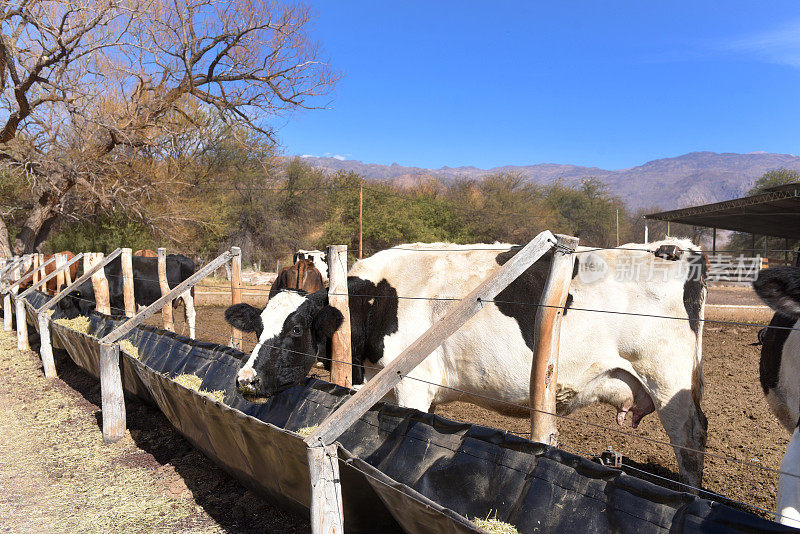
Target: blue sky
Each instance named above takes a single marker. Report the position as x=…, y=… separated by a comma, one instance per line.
x=607, y=84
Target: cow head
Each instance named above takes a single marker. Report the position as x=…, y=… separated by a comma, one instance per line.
x=292, y=331
x=779, y=287
x=79, y=302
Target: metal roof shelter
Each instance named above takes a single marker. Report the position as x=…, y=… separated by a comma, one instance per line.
x=774, y=213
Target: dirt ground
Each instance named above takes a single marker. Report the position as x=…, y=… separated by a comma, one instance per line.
x=177, y=488
x=57, y=476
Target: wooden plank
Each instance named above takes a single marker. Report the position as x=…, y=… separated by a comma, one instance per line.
x=67, y=278
x=111, y=391
x=546, y=337
x=327, y=512
x=341, y=354
x=374, y=390
x=46, y=347
x=7, y=312
x=102, y=299
x=87, y=274
x=35, y=266
x=126, y=258
x=22, y=325
x=166, y=311
x=60, y=260
x=20, y=275
x=146, y=313
x=50, y=276
x=236, y=293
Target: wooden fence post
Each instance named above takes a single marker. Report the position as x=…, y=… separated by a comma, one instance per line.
x=60, y=261
x=236, y=292
x=35, y=267
x=7, y=309
x=166, y=311
x=112, y=395
x=127, y=282
x=67, y=277
x=327, y=512
x=547, y=331
x=22, y=325
x=100, y=286
x=46, y=348
x=341, y=368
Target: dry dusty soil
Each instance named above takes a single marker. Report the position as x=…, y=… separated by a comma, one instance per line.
x=55, y=472
x=57, y=476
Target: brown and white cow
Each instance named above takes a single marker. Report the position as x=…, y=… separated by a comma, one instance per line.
x=51, y=285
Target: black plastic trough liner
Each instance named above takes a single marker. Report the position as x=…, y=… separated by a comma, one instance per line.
x=401, y=469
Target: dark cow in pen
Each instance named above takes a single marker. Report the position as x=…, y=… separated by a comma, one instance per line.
x=146, y=288
x=635, y=358
x=779, y=373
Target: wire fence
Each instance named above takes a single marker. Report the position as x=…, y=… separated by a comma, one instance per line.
x=533, y=305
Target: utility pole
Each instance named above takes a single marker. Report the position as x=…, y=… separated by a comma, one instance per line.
x=361, y=219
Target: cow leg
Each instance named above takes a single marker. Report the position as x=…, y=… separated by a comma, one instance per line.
x=189, y=312
x=788, y=502
x=686, y=425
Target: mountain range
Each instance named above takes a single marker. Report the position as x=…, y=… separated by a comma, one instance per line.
x=668, y=183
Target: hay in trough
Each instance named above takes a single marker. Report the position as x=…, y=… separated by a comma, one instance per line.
x=130, y=348
x=50, y=312
x=494, y=526
x=193, y=382
x=79, y=324
x=306, y=430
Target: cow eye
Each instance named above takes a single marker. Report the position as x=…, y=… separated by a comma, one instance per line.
x=296, y=331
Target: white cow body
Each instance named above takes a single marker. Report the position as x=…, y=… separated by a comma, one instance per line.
x=635, y=363
x=624, y=360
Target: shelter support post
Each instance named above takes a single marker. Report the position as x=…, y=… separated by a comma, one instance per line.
x=341, y=366
x=327, y=512
x=714, y=242
x=111, y=391
x=547, y=332
x=236, y=292
x=357, y=405
x=166, y=311
x=646, y=236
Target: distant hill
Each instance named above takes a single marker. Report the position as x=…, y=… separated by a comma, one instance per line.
x=669, y=183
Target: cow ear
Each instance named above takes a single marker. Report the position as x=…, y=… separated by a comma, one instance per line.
x=244, y=317
x=327, y=321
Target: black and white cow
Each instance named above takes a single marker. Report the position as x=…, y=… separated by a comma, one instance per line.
x=636, y=363
x=779, y=372
x=146, y=289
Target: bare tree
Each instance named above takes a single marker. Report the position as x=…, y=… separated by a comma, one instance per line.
x=95, y=91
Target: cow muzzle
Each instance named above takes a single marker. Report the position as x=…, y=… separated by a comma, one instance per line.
x=247, y=381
